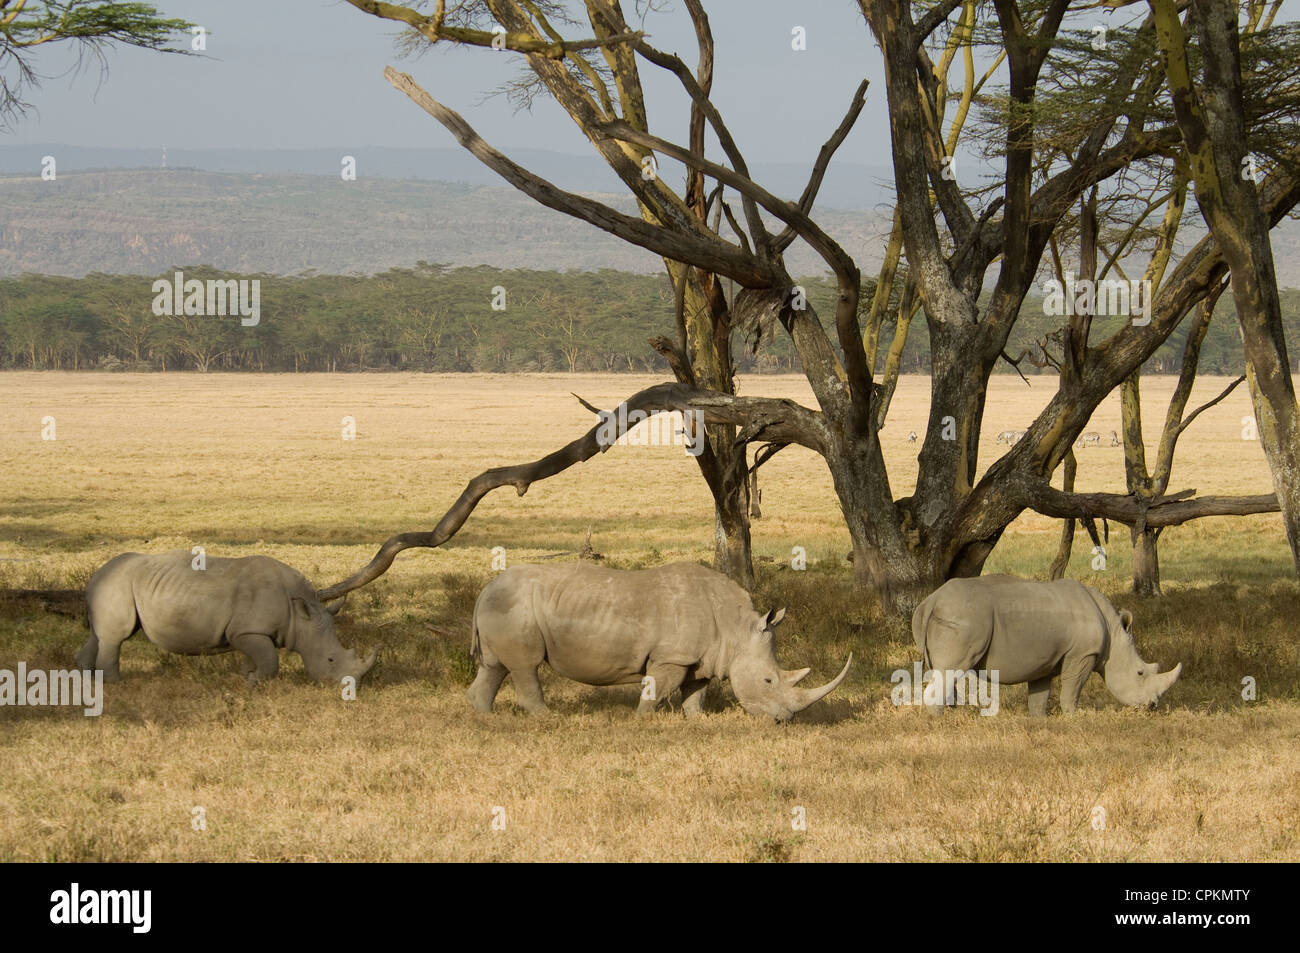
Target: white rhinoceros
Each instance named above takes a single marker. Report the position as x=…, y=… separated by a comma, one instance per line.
x=1029, y=631
x=255, y=605
x=674, y=626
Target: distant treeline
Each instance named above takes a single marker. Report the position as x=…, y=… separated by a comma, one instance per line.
x=434, y=318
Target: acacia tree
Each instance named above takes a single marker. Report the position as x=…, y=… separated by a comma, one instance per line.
x=93, y=25
x=1268, y=111
x=1125, y=126
x=1211, y=109
x=1147, y=486
x=951, y=522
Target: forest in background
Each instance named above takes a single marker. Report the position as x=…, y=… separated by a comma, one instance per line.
x=437, y=318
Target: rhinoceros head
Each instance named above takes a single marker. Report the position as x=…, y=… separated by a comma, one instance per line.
x=1131, y=680
x=323, y=656
x=764, y=688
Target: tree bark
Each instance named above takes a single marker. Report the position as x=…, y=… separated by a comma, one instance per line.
x=1063, y=551
x=1211, y=117
x=1146, y=561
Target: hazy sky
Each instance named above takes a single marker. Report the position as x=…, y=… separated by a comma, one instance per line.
x=308, y=73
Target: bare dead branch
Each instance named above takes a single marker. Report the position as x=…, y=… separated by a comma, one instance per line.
x=1170, y=510
x=595, y=410
x=1187, y=421
x=676, y=358
x=1015, y=362
x=791, y=214
x=735, y=226
x=784, y=420
x=433, y=29
x=712, y=253
x=704, y=76
x=700, y=98
x=828, y=149
x=934, y=18
x=767, y=452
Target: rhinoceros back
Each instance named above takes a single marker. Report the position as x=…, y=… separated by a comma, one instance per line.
x=191, y=610
x=1020, y=627
x=601, y=625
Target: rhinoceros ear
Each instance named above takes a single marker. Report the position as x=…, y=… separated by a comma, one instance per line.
x=773, y=618
x=301, y=609
x=1126, y=620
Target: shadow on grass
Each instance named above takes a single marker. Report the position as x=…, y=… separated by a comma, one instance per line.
x=1231, y=638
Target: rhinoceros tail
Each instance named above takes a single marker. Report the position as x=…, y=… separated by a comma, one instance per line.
x=475, y=643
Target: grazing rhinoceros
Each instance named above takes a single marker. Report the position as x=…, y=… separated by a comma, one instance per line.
x=255, y=605
x=1030, y=631
x=680, y=625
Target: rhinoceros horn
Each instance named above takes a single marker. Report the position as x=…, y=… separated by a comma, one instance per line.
x=801, y=698
x=333, y=607
x=1166, y=680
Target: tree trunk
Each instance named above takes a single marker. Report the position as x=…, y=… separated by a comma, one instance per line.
x=1146, y=561
x=1063, y=551
x=1274, y=399
x=1211, y=118
x=731, y=540
x=885, y=559
x=701, y=358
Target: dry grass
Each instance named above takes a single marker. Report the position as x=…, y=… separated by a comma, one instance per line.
x=289, y=770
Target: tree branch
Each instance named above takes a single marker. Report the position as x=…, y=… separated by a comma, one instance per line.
x=828, y=150
x=781, y=421
x=433, y=29
x=934, y=18
x=1128, y=510
x=714, y=254
x=830, y=250
x=700, y=98
x=1187, y=421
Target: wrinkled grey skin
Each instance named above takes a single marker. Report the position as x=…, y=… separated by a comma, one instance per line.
x=681, y=624
x=1031, y=631
x=255, y=605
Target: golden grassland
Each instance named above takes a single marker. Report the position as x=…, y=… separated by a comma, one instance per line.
x=289, y=770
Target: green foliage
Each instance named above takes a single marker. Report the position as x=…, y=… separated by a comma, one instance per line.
x=429, y=318
x=434, y=318
x=94, y=25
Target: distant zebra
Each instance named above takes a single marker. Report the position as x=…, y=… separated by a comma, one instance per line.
x=1090, y=439
x=911, y=437
x=1011, y=437
x=1114, y=439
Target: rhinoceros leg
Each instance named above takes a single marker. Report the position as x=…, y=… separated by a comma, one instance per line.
x=112, y=622
x=89, y=652
x=693, y=695
x=260, y=659
x=1074, y=674
x=528, y=690
x=667, y=679
x=1039, y=691
x=486, y=685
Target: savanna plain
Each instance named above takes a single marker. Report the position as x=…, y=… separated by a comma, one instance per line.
x=290, y=770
